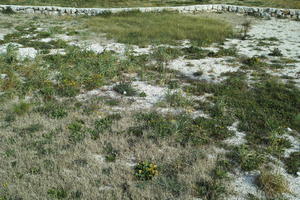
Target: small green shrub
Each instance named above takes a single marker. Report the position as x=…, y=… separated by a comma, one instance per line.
x=77, y=132
x=221, y=169
x=209, y=190
x=58, y=193
x=125, y=89
x=247, y=159
x=110, y=153
x=173, y=84
x=145, y=170
x=277, y=145
x=53, y=110
x=32, y=128
x=276, y=52
x=193, y=52
x=142, y=94
x=296, y=121
x=253, y=63
x=198, y=73
x=232, y=51
x=112, y=102
x=176, y=99
x=10, y=117
x=292, y=163
x=8, y=11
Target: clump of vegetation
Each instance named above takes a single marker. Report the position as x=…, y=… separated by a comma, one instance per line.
x=245, y=29
x=21, y=108
x=209, y=189
x=194, y=52
x=8, y=11
x=58, y=193
x=77, y=132
x=53, y=110
x=177, y=99
x=110, y=153
x=232, y=51
x=273, y=184
x=104, y=124
x=125, y=89
x=221, y=169
x=162, y=56
x=276, y=52
x=293, y=163
x=277, y=144
x=32, y=128
x=145, y=170
x=253, y=63
x=247, y=159
x=198, y=73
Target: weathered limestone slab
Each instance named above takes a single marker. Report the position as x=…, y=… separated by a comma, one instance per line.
x=257, y=11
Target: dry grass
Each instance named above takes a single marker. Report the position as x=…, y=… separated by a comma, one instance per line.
x=273, y=184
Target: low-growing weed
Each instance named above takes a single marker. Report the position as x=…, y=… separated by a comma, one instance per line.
x=125, y=89
x=145, y=170
x=53, y=110
x=247, y=159
x=110, y=153
x=21, y=108
x=276, y=52
x=58, y=193
x=292, y=163
x=77, y=132
x=177, y=99
x=209, y=190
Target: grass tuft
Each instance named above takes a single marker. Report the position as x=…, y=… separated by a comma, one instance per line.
x=273, y=184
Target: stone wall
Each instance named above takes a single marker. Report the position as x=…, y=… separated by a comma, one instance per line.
x=257, y=11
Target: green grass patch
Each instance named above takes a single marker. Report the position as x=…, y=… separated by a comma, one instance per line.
x=263, y=109
x=293, y=163
x=160, y=28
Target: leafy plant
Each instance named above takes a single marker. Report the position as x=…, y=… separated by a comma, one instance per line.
x=77, y=133
x=209, y=190
x=58, y=193
x=176, y=99
x=125, y=89
x=276, y=52
x=110, y=152
x=53, y=110
x=21, y=108
x=292, y=163
x=247, y=159
x=145, y=170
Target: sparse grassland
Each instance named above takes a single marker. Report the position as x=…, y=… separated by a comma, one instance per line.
x=78, y=122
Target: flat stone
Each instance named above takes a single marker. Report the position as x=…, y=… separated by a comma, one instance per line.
x=29, y=53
